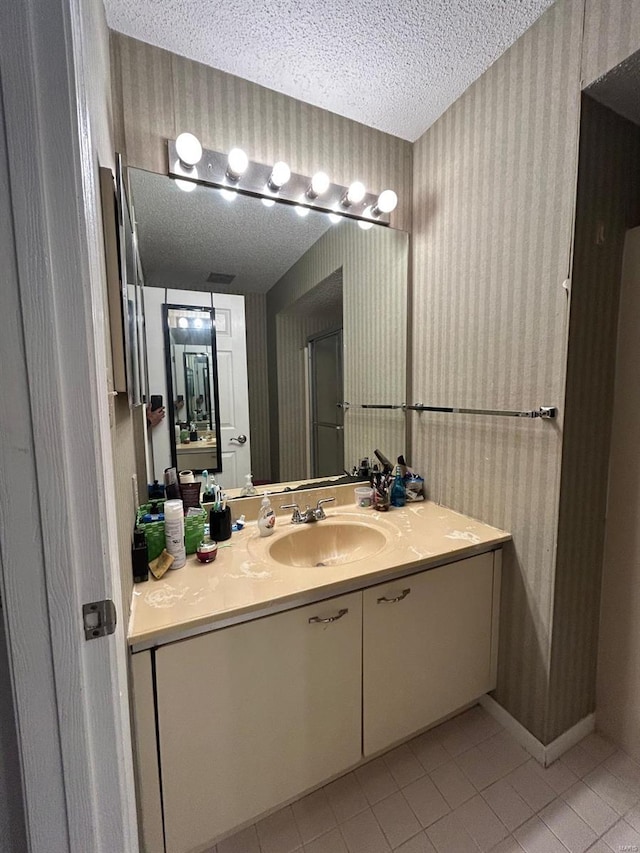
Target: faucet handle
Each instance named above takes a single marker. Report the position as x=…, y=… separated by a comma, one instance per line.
x=319, y=512
x=296, y=518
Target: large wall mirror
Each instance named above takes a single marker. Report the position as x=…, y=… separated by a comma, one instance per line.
x=309, y=311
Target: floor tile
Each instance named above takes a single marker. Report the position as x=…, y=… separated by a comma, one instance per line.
x=626, y=769
x=507, y=803
x=598, y=746
x=580, y=761
x=449, y=836
x=632, y=817
x=568, y=827
x=331, y=842
x=362, y=834
x=403, y=765
x=491, y=760
x=536, y=837
x=622, y=836
x=452, y=784
x=590, y=807
x=427, y=802
x=612, y=790
x=313, y=815
x=557, y=776
x=418, y=844
x=429, y=751
x=376, y=781
x=509, y=845
x=531, y=786
x=345, y=797
x=469, y=729
x=397, y=820
x=278, y=833
x=599, y=847
x=245, y=841
x=481, y=823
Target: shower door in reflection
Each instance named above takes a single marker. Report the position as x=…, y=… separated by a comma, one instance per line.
x=327, y=418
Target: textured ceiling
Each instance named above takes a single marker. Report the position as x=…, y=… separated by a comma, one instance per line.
x=395, y=65
x=183, y=237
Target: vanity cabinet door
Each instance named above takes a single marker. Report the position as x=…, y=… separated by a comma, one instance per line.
x=427, y=648
x=252, y=715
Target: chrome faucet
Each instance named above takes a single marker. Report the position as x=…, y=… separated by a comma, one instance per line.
x=308, y=515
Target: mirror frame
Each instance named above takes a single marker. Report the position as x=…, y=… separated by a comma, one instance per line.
x=170, y=389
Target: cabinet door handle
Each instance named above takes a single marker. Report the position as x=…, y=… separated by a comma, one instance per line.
x=339, y=615
x=403, y=594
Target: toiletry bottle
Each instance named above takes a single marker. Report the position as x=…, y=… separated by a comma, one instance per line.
x=266, y=517
x=398, y=496
x=139, y=557
x=174, y=532
x=248, y=488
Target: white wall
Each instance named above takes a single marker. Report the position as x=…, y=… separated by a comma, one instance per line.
x=618, y=682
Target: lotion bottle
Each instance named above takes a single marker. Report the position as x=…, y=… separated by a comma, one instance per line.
x=266, y=517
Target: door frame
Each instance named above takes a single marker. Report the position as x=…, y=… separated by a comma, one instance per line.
x=58, y=540
x=311, y=341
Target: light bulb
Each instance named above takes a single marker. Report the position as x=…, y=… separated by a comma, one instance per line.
x=236, y=164
x=183, y=323
x=188, y=149
x=280, y=174
x=387, y=201
x=268, y=202
x=197, y=323
x=354, y=194
x=301, y=211
x=186, y=186
x=228, y=195
x=334, y=218
x=319, y=185
x=365, y=224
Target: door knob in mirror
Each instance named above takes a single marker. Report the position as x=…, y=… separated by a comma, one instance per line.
x=241, y=439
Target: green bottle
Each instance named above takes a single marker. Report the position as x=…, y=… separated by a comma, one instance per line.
x=398, y=495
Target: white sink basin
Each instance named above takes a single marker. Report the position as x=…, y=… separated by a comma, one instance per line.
x=327, y=543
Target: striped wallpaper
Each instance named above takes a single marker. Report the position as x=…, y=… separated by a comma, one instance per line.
x=611, y=34
x=494, y=190
x=608, y=203
x=374, y=267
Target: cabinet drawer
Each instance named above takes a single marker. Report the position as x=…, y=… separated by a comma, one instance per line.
x=252, y=715
x=427, y=648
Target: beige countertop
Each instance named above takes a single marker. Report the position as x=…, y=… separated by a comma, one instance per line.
x=245, y=583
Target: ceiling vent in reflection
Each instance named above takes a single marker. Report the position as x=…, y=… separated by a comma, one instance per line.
x=220, y=278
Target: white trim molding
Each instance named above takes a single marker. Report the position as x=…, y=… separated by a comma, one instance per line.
x=544, y=755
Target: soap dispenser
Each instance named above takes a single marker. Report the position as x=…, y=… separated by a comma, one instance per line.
x=248, y=488
x=266, y=517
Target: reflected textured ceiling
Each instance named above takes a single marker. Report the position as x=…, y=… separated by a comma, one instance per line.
x=183, y=237
x=395, y=65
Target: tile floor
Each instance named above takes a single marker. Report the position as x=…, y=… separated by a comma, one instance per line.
x=464, y=787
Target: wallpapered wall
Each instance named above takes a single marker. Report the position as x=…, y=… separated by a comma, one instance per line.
x=494, y=192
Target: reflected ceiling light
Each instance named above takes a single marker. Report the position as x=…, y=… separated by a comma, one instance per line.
x=183, y=323
x=197, y=323
x=365, y=224
x=268, y=202
x=237, y=164
x=186, y=186
x=387, y=201
x=301, y=211
x=334, y=218
x=229, y=195
x=188, y=149
x=354, y=195
x=280, y=174
x=319, y=185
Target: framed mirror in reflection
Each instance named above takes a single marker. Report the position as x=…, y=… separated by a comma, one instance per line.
x=192, y=387
x=310, y=310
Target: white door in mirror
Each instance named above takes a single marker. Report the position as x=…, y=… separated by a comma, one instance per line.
x=232, y=389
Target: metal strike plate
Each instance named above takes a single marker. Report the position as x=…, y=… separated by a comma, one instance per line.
x=99, y=618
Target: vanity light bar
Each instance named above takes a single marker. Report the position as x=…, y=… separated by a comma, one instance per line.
x=257, y=179
x=544, y=412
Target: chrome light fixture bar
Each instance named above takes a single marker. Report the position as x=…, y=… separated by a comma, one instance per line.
x=214, y=169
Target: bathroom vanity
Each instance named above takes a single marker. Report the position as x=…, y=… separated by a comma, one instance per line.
x=263, y=675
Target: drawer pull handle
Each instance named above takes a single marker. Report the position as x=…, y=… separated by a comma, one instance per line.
x=340, y=614
x=403, y=594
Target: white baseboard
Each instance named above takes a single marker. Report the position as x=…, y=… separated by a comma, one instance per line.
x=545, y=755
